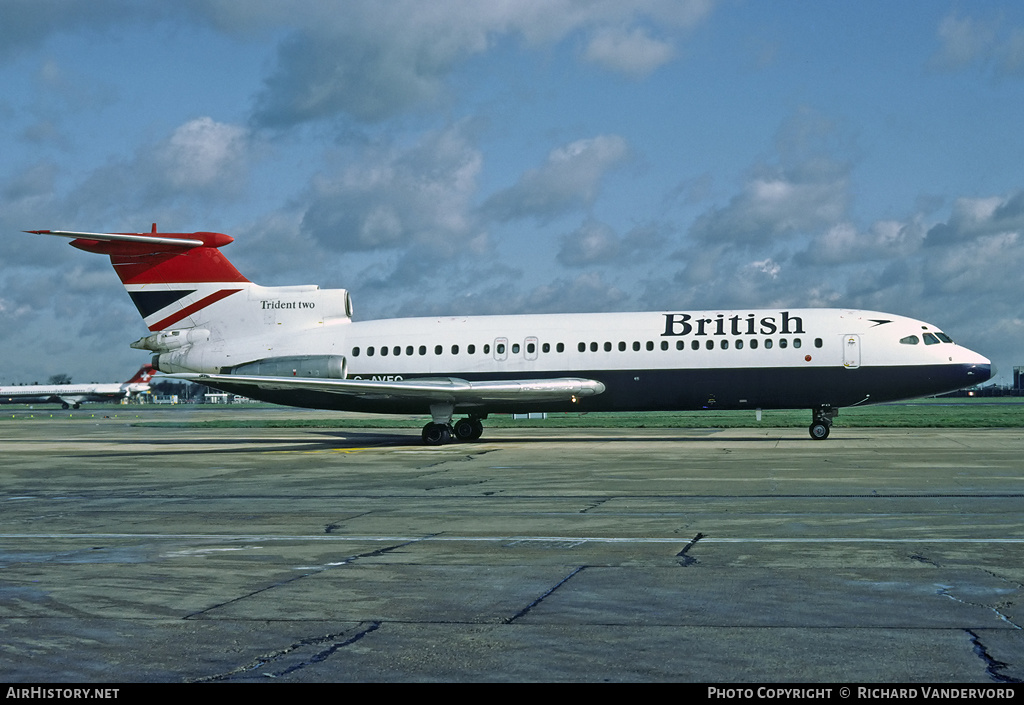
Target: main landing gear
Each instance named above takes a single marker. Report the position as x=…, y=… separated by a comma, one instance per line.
x=441, y=430
x=822, y=422
x=436, y=434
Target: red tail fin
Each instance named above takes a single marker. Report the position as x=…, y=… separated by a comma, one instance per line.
x=144, y=374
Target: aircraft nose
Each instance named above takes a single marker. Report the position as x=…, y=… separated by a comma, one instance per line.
x=979, y=368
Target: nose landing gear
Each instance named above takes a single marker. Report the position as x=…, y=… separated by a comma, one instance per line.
x=822, y=422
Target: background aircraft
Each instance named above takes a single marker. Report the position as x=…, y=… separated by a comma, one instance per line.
x=72, y=395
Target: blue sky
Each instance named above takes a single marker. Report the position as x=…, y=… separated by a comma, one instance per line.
x=455, y=157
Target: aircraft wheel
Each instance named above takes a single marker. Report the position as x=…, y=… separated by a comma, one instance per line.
x=468, y=429
x=436, y=434
x=819, y=431
x=65, y=405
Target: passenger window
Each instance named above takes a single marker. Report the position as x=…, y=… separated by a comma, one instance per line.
x=455, y=350
x=383, y=350
x=546, y=347
x=768, y=343
x=500, y=349
x=423, y=350
x=695, y=344
x=783, y=342
x=487, y=349
x=560, y=347
x=397, y=350
x=739, y=343
x=797, y=343
x=531, y=348
x=515, y=348
x=910, y=340
x=709, y=344
x=369, y=351
x=607, y=346
x=471, y=349
x=437, y=349
x=753, y=343
x=650, y=345
x=593, y=347
x=664, y=345
x=582, y=347
x=725, y=345
x=680, y=345
x=930, y=339
x=636, y=346
x=817, y=342
x=355, y=351
x=622, y=346
x=408, y=350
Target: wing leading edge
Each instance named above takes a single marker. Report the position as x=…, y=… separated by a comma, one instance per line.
x=436, y=390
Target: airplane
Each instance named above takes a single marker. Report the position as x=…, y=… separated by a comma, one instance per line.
x=299, y=346
x=72, y=395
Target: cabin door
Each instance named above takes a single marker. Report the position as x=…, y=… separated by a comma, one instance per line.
x=851, y=351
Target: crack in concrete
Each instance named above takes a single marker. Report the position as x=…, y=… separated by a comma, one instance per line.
x=686, y=560
x=992, y=666
x=315, y=571
x=944, y=590
x=525, y=610
x=266, y=659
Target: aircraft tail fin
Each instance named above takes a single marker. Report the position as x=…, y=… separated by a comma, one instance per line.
x=203, y=315
x=170, y=277
x=143, y=376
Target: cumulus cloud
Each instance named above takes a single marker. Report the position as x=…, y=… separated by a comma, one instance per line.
x=397, y=197
x=569, y=179
x=596, y=243
x=971, y=41
x=778, y=203
x=372, y=60
x=201, y=159
x=844, y=242
x=976, y=217
x=631, y=51
x=202, y=153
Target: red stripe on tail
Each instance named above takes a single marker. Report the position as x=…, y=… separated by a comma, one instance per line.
x=189, y=310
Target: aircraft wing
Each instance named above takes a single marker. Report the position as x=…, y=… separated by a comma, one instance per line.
x=433, y=390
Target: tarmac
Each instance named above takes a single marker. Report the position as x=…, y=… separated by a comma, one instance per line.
x=137, y=554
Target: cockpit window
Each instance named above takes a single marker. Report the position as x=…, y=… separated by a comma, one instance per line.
x=943, y=337
x=930, y=339
x=910, y=340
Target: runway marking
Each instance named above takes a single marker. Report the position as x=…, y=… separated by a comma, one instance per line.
x=574, y=540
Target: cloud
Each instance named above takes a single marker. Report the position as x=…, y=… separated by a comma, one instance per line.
x=631, y=51
x=778, y=203
x=26, y=23
x=595, y=243
x=370, y=60
x=568, y=180
x=970, y=41
x=843, y=242
x=202, y=154
x=399, y=197
x=202, y=160
x=973, y=218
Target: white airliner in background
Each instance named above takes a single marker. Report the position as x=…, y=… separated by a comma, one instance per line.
x=298, y=345
x=72, y=395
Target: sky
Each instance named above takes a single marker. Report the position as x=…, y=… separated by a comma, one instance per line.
x=459, y=157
